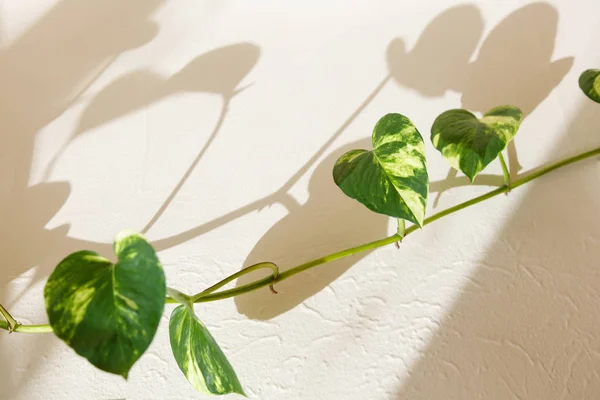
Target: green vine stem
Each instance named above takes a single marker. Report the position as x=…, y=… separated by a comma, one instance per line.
x=211, y=293
x=505, y=172
x=45, y=328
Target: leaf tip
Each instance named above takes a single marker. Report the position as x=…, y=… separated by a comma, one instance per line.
x=126, y=233
x=471, y=174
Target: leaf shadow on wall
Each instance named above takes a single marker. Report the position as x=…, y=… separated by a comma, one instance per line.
x=439, y=39
x=44, y=72
x=514, y=66
x=27, y=243
x=525, y=325
x=216, y=72
x=342, y=222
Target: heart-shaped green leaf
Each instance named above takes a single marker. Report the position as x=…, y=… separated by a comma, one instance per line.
x=199, y=356
x=589, y=82
x=108, y=313
x=470, y=144
x=392, y=178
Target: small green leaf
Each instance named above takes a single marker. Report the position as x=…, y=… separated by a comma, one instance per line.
x=470, y=144
x=199, y=356
x=589, y=82
x=108, y=313
x=392, y=178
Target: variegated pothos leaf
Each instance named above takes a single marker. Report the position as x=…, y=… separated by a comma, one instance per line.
x=589, y=82
x=470, y=144
x=199, y=356
x=392, y=178
x=108, y=313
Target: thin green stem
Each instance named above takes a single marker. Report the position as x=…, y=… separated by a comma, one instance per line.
x=401, y=227
x=556, y=165
x=296, y=270
x=27, y=328
x=505, y=171
x=211, y=293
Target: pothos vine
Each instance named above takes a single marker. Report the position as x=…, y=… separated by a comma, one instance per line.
x=109, y=313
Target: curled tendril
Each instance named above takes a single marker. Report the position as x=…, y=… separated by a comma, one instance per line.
x=242, y=272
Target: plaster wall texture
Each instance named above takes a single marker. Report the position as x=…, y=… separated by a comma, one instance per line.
x=214, y=127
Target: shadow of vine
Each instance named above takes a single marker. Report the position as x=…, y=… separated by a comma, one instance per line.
x=513, y=66
x=525, y=323
x=341, y=222
x=43, y=73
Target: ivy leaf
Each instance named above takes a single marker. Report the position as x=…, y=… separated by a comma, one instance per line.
x=589, y=82
x=199, y=356
x=470, y=144
x=108, y=313
x=392, y=178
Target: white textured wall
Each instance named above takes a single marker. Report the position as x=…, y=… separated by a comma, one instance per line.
x=106, y=104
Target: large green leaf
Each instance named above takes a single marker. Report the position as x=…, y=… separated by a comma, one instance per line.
x=392, y=178
x=108, y=313
x=470, y=144
x=589, y=82
x=199, y=356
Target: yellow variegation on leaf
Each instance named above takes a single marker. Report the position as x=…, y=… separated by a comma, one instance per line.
x=469, y=144
x=199, y=356
x=392, y=178
x=108, y=313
